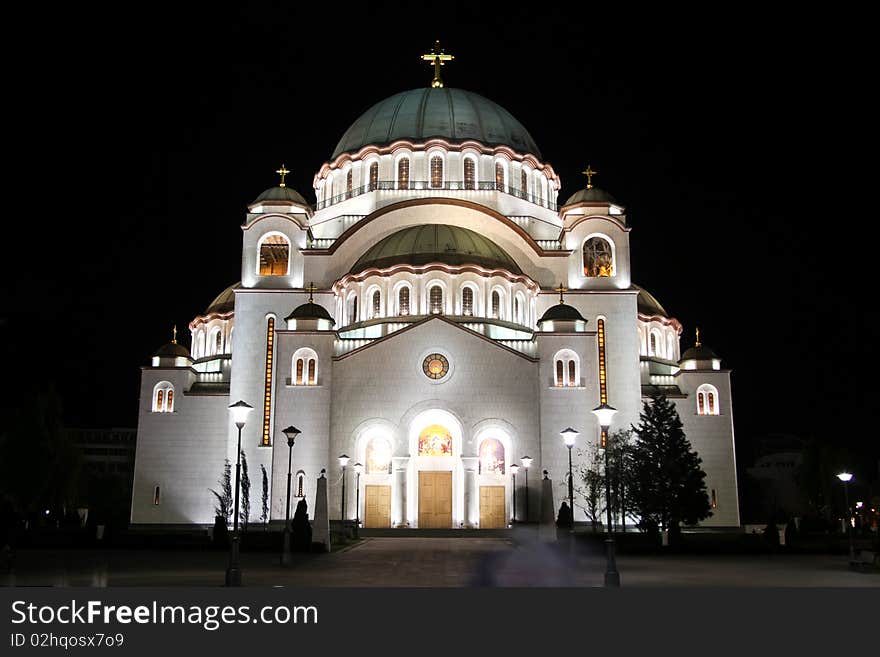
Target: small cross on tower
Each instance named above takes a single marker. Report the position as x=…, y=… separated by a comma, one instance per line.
x=561, y=289
x=282, y=172
x=174, y=335
x=438, y=58
x=311, y=290
x=698, y=337
x=589, y=173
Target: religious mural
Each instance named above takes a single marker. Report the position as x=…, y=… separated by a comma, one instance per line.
x=598, y=258
x=379, y=456
x=435, y=441
x=491, y=457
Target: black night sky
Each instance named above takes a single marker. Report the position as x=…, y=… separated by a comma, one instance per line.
x=146, y=132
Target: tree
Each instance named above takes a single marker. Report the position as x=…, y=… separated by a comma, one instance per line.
x=264, y=516
x=591, y=488
x=620, y=444
x=224, y=499
x=245, y=493
x=667, y=486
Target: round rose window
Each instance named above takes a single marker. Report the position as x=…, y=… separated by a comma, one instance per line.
x=435, y=366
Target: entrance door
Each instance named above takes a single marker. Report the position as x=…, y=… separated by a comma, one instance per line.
x=492, y=507
x=377, y=506
x=435, y=499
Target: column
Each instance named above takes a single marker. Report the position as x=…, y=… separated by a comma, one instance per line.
x=471, y=494
x=399, y=465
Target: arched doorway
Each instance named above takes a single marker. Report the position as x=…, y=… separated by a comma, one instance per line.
x=434, y=479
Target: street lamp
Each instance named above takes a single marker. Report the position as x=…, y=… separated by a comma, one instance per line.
x=358, y=468
x=343, y=461
x=291, y=433
x=527, y=463
x=514, y=468
x=605, y=413
x=239, y=411
x=846, y=477
x=569, y=435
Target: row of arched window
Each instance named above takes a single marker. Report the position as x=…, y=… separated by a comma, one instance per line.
x=305, y=368
x=214, y=345
x=567, y=369
x=656, y=345
x=163, y=397
x=436, y=304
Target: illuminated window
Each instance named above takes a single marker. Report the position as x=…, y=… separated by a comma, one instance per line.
x=436, y=172
x=470, y=174
x=305, y=367
x=403, y=301
x=300, y=480
x=467, y=301
x=572, y=380
x=435, y=441
x=603, y=373
x=435, y=299
x=374, y=176
x=516, y=310
x=274, y=256
x=496, y=304
x=218, y=343
x=352, y=309
x=312, y=366
x=163, y=398
x=598, y=258
x=348, y=182
x=379, y=456
x=267, y=383
x=707, y=400
x=524, y=182
x=160, y=399
x=653, y=348
x=567, y=368
x=560, y=373
x=499, y=176
x=491, y=457
x=156, y=496
x=403, y=173
x=377, y=303
x=714, y=500
x=299, y=371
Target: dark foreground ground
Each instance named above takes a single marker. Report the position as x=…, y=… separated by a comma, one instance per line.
x=431, y=562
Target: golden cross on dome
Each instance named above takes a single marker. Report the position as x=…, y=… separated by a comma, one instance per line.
x=589, y=173
x=311, y=289
x=438, y=58
x=698, y=337
x=174, y=335
x=282, y=172
x=561, y=289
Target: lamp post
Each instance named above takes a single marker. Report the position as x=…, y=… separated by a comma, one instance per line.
x=358, y=468
x=343, y=461
x=291, y=433
x=846, y=477
x=605, y=414
x=569, y=435
x=239, y=411
x=527, y=463
x=514, y=468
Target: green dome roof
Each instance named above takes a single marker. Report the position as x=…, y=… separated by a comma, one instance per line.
x=592, y=195
x=419, y=245
x=281, y=194
x=561, y=311
x=451, y=114
x=172, y=350
x=699, y=353
x=648, y=304
x=224, y=302
x=310, y=310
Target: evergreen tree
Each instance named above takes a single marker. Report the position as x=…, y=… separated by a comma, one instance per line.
x=245, y=493
x=224, y=499
x=264, y=516
x=667, y=486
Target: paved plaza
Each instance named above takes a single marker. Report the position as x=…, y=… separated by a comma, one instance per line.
x=430, y=562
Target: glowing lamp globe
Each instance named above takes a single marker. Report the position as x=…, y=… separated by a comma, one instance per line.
x=604, y=413
x=514, y=468
x=291, y=433
x=240, y=411
x=845, y=476
x=343, y=460
x=358, y=467
x=569, y=435
x=527, y=460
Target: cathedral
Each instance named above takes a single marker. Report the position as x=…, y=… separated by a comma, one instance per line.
x=436, y=318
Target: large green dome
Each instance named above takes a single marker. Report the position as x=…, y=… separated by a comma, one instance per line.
x=451, y=245
x=451, y=114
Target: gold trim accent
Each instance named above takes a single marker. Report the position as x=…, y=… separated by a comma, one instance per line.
x=283, y=171
x=438, y=58
x=589, y=173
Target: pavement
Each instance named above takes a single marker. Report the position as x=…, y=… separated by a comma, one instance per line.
x=431, y=562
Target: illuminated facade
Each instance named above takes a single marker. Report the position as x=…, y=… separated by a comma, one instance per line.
x=437, y=314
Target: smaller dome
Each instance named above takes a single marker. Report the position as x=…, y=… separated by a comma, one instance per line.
x=310, y=310
x=224, y=302
x=561, y=311
x=172, y=350
x=699, y=352
x=279, y=193
x=592, y=195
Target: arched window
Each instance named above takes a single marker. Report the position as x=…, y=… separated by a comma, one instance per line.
x=571, y=373
x=707, y=400
x=305, y=367
x=516, y=309
x=524, y=183
x=670, y=346
x=300, y=480
x=598, y=258
x=200, y=345
x=567, y=369
x=496, y=304
x=653, y=347
x=560, y=374
x=436, y=172
x=218, y=342
x=499, y=176
x=378, y=456
x=519, y=308
x=403, y=301
x=470, y=173
x=491, y=457
x=348, y=184
x=403, y=173
x=274, y=256
x=352, y=309
x=328, y=190
x=467, y=301
x=374, y=176
x=157, y=497
x=435, y=299
x=163, y=397
x=377, y=303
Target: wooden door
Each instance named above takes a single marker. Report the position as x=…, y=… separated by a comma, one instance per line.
x=377, y=506
x=492, y=507
x=435, y=499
